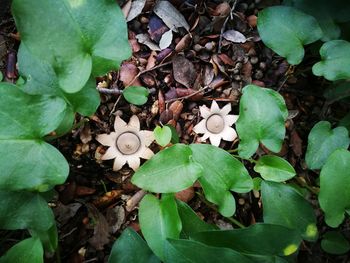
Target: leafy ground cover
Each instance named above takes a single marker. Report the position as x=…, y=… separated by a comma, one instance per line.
x=185, y=55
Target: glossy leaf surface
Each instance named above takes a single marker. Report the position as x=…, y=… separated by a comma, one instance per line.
x=323, y=141
x=261, y=120
x=286, y=30
x=283, y=205
x=335, y=62
x=130, y=247
x=165, y=174
x=260, y=239
x=28, y=118
x=162, y=135
x=94, y=40
x=218, y=182
x=334, y=196
x=274, y=168
x=334, y=242
x=28, y=250
x=159, y=220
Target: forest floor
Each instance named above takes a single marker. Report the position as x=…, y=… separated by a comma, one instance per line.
x=193, y=69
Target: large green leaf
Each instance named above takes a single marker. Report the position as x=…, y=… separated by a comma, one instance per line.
x=274, y=168
x=94, y=40
x=24, y=210
x=327, y=13
x=334, y=242
x=165, y=174
x=258, y=239
x=191, y=223
x=221, y=174
x=322, y=141
x=285, y=30
x=260, y=122
x=27, y=162
x=130, y=247
x=283, y=205
x=335, y=63
x=196, y=252
x=334, y=196
x=159, y=220
x=29, y=250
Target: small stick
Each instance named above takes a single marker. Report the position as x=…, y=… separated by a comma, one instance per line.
x=147, y=70
x=224, y=25
x=188, y=96
x=114, y=91
x=134, y=200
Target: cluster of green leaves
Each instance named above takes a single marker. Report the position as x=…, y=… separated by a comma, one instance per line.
x=172, y=229
x=59, y=60
x=173, y=234
x=286, y=29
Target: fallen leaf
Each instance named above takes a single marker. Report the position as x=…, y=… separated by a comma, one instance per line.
x=185, y=195
x=234, y=36
x=115, y=217
x=156, y=28
x=85, y=134
x=135, y=9
x=108, y=198
x=176, y=107
x=146, y=40
x=128, y=71
x=166, y=39
x=170, y=16
x=183, y=43
x=296, y=143
x=101, y=228
x=184, y=71
x=64, y=213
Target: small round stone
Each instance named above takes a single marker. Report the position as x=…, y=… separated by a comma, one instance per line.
x=128, y=143
x=215, y=123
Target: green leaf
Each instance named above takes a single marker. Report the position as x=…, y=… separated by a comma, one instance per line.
x=221, y=173
x=174, y=135
x=283, y=205
x=258, y=239
x=327, y=13
x=334, y=196
x=49, y=238
x=86, y=101
x=1, y=76
x=28, y=118
x=285, y=30
x=130, y=247
x=191, y=223
x=345, y=122
x=337, y=91
x=196, y=252
x=136, y=95
x=260, y=122
x=159, y=220
x=165, y=174
x=162, y=135
x=333, y=242
x=94, y=40
x=335, y=63
x=29, y=250
x=322, y=141
x=274, y=168
x=22, y=210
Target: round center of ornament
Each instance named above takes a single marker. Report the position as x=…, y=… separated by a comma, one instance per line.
x=128, y=143
x=215, y=123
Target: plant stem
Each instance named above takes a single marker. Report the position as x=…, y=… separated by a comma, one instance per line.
x=231, y=219
x=247, y=159
x=235, y=221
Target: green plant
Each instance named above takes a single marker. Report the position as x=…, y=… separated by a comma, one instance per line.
x=59, y=79
x=59, y=70
x=172, y=229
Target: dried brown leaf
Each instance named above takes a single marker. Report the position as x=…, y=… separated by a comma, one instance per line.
x=170, y=16
x=135, y=9
x=184, y=71
x=101, y=228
